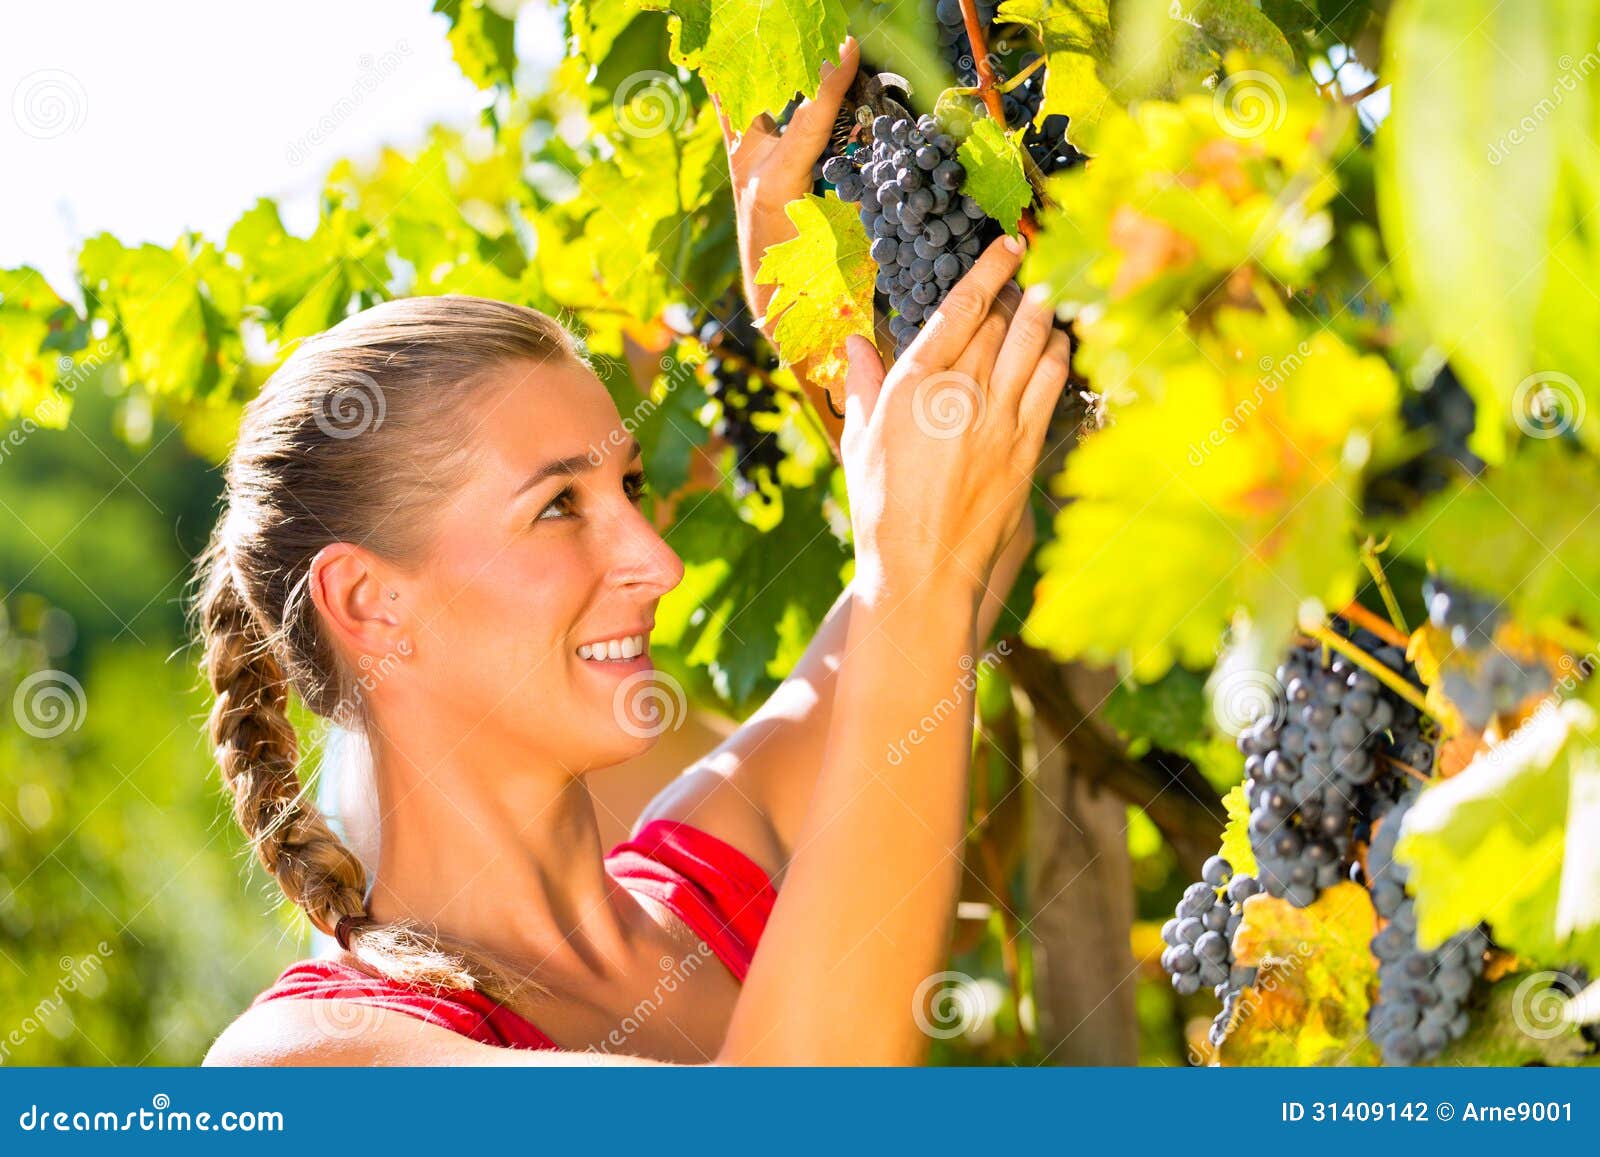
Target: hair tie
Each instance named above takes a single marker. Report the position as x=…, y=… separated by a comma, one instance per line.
x=341, y=930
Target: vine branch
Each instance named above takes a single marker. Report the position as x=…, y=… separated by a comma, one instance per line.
x=988, y=91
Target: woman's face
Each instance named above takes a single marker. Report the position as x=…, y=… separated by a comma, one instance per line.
x=538, y=597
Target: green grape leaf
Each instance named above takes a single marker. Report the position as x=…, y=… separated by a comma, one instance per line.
x=1075, y=36
x=1518, y=1022
x=1525, y=532
x=825, y=278
x=755, y=54
x=1236, y=496
x=34, y=321
x=1171, y=712
x=1236, y=847
x=750, y=600
x=1492, y=842
x=1309, y=1003
x=168, y=307
x=596, y=25
x=1471, y=240
x=643, y=207
x=995, y=176
x=482, y=40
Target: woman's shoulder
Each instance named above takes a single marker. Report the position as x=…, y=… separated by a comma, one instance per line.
x=308, y=1032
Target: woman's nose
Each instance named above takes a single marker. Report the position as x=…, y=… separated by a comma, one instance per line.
x=644, y=559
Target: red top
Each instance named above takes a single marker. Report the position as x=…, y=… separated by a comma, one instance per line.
x=718, y=891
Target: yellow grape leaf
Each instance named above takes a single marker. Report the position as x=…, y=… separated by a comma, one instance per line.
x=824, y=277
x=1075, y=37
x=1234, y=494
x=1309, y=1003
x=1236, y=834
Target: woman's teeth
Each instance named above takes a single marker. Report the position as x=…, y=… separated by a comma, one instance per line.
x=627, y=647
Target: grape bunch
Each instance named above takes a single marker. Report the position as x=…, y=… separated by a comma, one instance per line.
x=1444, y=416
x=953, y=36
x=738, y=360
x=1421, y=995
x=1199, y=939
x=1315, y=765
x=1488, y=680
x=1046, y=143
x=925, y=233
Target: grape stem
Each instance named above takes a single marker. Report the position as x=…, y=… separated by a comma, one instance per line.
x=1369, y=556
x=989, y=92
x=1401, y=687
x=1357, y=613
x=1401, y=765
x=1022, y=77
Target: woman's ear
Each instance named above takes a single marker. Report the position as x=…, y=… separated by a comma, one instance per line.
x=361, y=610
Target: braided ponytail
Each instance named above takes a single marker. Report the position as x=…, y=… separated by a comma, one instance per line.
x=258, y=752
x=299, y=480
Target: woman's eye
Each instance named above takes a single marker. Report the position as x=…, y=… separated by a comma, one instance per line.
x=635, y=486
x=560, y=506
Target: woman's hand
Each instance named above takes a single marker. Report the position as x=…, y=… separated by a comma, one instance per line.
x=771, y=169
x=939, y=454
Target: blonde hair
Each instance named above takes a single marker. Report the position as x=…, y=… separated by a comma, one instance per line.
x=354, y=439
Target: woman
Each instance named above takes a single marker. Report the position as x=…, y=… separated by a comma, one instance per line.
x=487, y=582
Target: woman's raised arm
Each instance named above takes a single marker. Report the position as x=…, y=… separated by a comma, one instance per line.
x=864, y=914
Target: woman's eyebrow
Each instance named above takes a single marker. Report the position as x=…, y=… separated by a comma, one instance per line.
x=572, y=464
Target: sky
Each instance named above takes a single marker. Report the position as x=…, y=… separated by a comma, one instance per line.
x=144, y=119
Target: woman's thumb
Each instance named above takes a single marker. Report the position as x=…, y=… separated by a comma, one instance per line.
x=863, y=382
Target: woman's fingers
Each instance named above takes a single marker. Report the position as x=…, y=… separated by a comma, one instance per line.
x=863, y=381
x=811, y=123
x=1025, y=342
x=1044, y=387
x=956, y=321
x=978, y=359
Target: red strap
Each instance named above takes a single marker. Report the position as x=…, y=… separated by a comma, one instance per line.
x=469, y=1013
x=718, y=891
x=723, y=895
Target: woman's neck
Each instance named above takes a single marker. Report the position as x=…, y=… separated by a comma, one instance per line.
x=483, y=845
